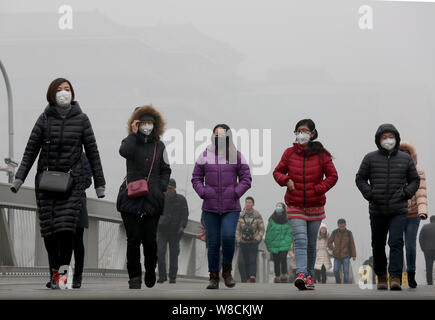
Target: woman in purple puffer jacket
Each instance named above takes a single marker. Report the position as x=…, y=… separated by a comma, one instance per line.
x=221, y=176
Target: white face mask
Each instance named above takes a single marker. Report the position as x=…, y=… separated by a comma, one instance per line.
x=63, y=98
x=388, y=144
x=146, y=128
x=302, y=138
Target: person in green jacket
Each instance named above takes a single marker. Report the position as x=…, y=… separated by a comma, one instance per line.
x=278, y=241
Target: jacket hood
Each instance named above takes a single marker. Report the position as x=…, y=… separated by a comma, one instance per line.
x=407, y=146
x=280, y=218
x=387, y=127
x=75, y=110
x=159, y=125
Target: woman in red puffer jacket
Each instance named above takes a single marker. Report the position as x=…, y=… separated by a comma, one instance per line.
x=307, y=170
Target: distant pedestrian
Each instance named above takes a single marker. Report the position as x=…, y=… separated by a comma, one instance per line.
x=171, y=227
x=342, y=245
x=249, y=233
x=427, y=245
x=278, y=241
x=323, y=261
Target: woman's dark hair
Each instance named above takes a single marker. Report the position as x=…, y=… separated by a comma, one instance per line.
x=313, y=146
x=52, y=89
x=221, y=125
x=231, y=150
x=284, y=208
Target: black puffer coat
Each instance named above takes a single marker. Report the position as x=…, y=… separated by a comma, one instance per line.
x=139, y=156
x=427, y=237
x=61, y=143
x=386, y=180
x=175, y=214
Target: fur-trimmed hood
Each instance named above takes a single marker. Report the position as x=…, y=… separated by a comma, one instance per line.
x=159, y=125
x=407, y=146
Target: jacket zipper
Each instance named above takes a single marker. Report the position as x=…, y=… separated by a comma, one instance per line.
x=62, y=128
x=341, y=244
x=303, y=173
x=388, y=185
x=219, y=183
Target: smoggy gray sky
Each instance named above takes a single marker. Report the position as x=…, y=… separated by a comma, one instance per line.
x=252, y=64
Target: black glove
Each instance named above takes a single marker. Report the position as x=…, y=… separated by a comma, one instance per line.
x=180, y=231
x=16, y=184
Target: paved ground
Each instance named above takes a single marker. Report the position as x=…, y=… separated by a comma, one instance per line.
x=13, y=288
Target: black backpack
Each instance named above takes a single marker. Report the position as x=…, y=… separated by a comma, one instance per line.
x=248, y=232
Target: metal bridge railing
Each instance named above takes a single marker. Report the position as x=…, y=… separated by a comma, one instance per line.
x=22, y=247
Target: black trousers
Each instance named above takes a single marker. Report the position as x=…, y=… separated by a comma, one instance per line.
x=249, y=251
x=320, y=275
x=393, y=227
x=79, y=251
x=280, y=263
x=59, y=248
x=163, y=239
x=429, y=257
x=140, y=231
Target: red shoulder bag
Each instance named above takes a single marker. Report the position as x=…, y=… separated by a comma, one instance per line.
x=139, y=188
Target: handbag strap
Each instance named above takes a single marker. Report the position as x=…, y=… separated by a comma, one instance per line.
x=152, y=164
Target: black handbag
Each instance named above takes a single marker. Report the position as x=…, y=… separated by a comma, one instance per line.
x=54, y=181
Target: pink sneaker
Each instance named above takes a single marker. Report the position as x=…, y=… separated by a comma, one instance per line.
x=300, y=282
x=309, y=283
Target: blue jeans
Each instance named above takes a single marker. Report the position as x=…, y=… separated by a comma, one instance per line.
x=305, y=241
x=337, y=264
x=221, y=231
x=411, y=229
x=394, y=227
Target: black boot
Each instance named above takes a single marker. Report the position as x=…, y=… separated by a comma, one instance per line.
x=411, y=280
x=162, y=279
x=150, y=278
x=135, y=283
x=226, y=274
x=77, y=281
x=214, y=280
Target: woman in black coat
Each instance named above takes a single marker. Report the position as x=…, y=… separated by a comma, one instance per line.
x=141, y=214
x=59, y=135
x=82, y=224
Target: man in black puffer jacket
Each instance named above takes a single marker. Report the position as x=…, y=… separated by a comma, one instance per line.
x=387, y=178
